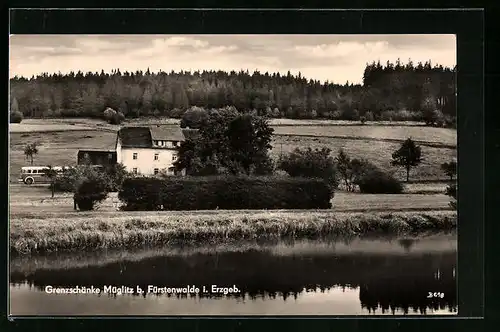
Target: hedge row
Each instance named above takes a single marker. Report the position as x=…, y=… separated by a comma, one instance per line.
x=228, y=193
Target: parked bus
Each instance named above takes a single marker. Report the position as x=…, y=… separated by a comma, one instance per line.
x=36, y=174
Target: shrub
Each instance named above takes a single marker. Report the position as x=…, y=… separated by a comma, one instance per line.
x=112, y=116
x=89, y=192
x=335, y=115
x=450, y=169
x=208, y=193
x=450, y=122
x=69, y=113
x=451, y=191
x=369, y=116
x=276, y=113
x=403, y=115
x=379, y=182
x=350, y=114
x=118, y=118
x=433, y=117
x=351, y=170
x=388, y=115
x=195, y=117
x=16, y=117
x=362, y=119
x=309, y=163
x=113, y=176
x=176, y=113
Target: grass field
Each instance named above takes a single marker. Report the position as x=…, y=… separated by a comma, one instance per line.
x=443, y=136
x=59, y=146
x=32, y=201
x=377, y=152
x=63, y=234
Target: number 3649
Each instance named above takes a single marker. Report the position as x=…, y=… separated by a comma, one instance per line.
x=433, y=295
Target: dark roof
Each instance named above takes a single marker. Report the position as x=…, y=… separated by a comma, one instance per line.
x=143, y=137
x=166, y=133
x=190, y=133
x=136, y=137
x=97, y=150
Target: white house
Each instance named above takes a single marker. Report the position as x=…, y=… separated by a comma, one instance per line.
x=150, y=150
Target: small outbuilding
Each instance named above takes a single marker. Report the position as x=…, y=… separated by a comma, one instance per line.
x=97, y=157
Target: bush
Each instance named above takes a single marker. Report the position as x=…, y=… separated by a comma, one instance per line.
x=117, y=118
x=69, y=113
x=209, y=193
x=113, y=117
x=451, y=191
x=335, y=115
x=176, y=113
x=89, y=192
x=309, y=163
x=350, y=114
x=369, y=116
x=113, y=175
x=195, y=117
x=433, y=117
x=450, y=122
x=379, y=182
x=276, y=113
x=16, y=117
x=388, y=115
x=403, y=115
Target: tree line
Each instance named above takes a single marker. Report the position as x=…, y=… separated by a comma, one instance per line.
x=390, y=92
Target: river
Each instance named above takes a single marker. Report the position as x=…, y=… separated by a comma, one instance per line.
x=375, y=276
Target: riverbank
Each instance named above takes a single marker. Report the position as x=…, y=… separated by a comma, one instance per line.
x=31, y=236
x=394, y=245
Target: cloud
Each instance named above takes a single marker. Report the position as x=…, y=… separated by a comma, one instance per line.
x=336, y=58
x=341, y=49
x=52, y=51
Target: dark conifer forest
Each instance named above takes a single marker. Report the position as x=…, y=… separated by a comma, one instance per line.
x=389, y=92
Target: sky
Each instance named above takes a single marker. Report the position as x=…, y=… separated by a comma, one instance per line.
x=333, y=58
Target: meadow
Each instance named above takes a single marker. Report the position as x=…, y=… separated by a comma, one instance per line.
x=32, y=202
x=60, y=139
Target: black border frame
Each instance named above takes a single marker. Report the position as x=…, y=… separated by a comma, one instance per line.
x=466, y=24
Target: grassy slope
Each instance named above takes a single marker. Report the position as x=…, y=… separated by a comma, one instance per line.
x=378, y=152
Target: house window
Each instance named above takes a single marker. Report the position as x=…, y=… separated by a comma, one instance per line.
x=174, y=143
x=134, y=170
x=155, y=142
x=86, y=155
x=174, y=157
x=156, y=171
x=156, y=156
x=161, y=143
x=110, y=156
x=171, y=169
x=134, y=156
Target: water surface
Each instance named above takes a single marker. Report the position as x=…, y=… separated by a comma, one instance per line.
x=356, y=277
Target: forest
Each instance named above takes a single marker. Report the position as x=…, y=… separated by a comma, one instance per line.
x=389, y=92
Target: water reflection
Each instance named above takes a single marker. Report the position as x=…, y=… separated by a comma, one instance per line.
x=361, y=277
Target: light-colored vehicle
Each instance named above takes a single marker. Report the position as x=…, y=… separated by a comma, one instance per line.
x=36, y=174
